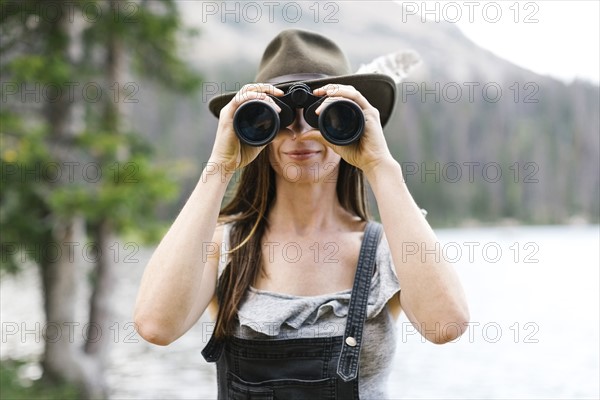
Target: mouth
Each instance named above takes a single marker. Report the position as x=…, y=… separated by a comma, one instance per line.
x=301, y=154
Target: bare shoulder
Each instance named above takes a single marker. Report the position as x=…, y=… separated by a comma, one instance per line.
x=353, y=224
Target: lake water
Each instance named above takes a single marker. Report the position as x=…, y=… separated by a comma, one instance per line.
x=534, y=299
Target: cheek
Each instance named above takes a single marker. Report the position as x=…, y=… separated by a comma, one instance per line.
x=330, y=164
x=332, y=156
x=273, y=159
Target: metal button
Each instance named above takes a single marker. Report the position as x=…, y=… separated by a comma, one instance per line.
x=350, y=341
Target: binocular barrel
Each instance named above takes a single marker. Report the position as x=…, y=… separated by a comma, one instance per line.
x=256, y=123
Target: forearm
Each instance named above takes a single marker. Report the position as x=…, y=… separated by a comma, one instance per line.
x=431, y=294
x=172, y=278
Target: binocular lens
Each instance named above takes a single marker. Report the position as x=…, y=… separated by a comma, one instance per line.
x=341, y=123
x=256, y=123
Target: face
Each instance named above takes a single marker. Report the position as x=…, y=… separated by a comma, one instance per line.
x=296, y=158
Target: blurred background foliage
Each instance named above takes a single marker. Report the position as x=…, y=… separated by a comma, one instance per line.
x=70, y=159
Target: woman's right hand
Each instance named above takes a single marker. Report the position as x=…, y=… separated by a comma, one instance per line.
x=228, y=151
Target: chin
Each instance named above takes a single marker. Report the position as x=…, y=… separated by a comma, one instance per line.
x=308, y=172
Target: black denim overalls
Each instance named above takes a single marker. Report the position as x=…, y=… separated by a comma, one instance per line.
x=308, y=368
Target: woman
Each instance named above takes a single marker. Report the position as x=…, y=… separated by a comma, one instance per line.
x=299, y=312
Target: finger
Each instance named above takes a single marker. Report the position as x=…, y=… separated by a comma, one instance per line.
x=345, y=91
x=256, y=91
x=330, y=87
x=240, y=97
x=261, y=87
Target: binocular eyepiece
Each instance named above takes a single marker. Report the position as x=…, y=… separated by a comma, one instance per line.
x=256, y=123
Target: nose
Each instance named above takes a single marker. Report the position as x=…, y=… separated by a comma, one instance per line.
x=299, y=125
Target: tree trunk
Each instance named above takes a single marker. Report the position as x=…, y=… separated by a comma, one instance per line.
x=63, y=359
x=98, y=337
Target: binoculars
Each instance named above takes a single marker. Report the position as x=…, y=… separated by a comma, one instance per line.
x=256, y=123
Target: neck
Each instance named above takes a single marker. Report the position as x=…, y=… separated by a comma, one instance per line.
x=305, y=207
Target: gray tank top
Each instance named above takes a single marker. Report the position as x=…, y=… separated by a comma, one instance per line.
x=265, y=314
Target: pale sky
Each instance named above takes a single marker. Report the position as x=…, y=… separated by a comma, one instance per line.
x=558, y=38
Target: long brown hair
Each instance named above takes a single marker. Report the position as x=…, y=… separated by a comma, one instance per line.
x=248, y=210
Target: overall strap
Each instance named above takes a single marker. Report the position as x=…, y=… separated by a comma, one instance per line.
x=213, y=349
x=348, y=362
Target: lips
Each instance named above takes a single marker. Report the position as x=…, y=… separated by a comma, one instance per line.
x=301, y=154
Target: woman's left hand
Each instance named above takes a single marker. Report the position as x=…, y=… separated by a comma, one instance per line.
x=372, y=148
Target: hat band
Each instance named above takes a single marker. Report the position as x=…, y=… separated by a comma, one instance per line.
x=297, y=77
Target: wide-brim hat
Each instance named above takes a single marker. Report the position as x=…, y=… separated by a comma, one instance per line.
x=302, y=56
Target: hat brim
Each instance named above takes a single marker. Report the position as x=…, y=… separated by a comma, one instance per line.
x=378, y=89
